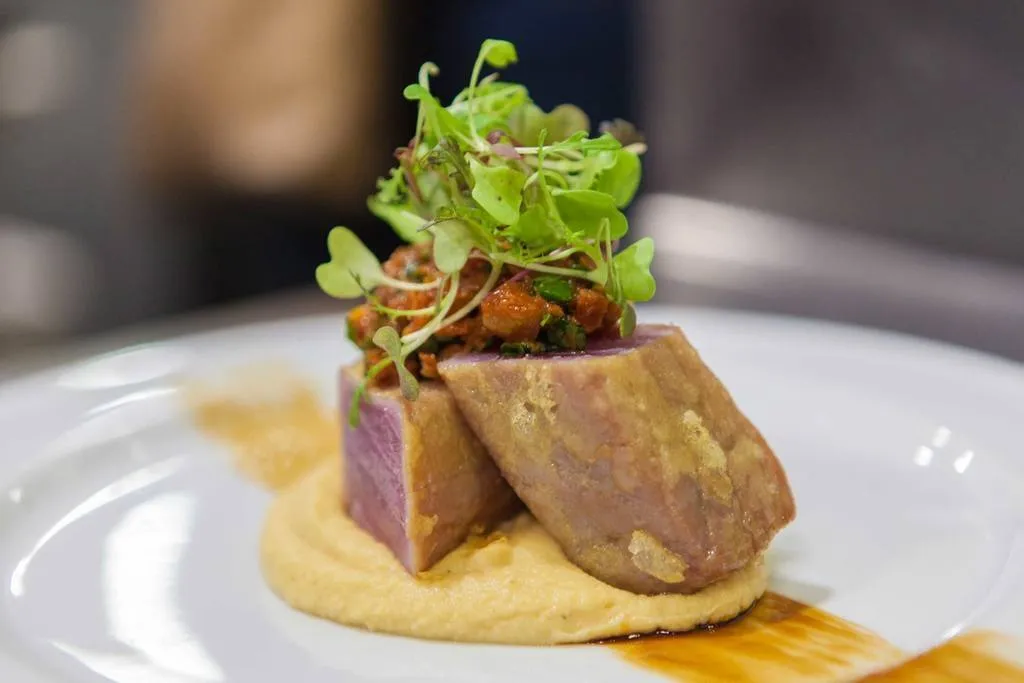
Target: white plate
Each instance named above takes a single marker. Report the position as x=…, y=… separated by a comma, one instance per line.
x=128, y=543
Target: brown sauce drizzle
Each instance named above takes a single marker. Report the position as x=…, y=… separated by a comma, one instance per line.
x=779, y=639
x=976, y=656
x=276, y=439
x=275, y=424
x=782, y=640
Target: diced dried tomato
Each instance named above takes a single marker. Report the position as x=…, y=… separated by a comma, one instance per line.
x=512, y=313
x=408, y=301
x=401, y=260
x=589, y=309
x=479, y=336
x=610, y=324
x=471, y=280
x=414, y=324
x=363, y=321
x=411, y=263
x=386, y=377
x=457, y=330
x=428, y=365
x=373, y=356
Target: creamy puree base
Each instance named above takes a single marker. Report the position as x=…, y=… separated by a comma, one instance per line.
x=513, y=586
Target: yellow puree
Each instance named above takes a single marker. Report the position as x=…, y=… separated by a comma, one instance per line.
x=512, y=586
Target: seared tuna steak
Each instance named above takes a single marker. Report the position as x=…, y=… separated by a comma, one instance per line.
x=632, y=455
x=416, y=478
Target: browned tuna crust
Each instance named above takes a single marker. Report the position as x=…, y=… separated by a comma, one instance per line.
x=416, y=477
x=633, y=456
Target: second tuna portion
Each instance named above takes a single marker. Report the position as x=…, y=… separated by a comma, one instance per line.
x=416, y=477
x=633, y=456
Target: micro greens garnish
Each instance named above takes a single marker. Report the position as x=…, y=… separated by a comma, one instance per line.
x=492, y=176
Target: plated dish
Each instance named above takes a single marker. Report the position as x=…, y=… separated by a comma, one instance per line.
x=512, y=456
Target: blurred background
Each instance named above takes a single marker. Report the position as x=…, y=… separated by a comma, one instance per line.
x=861, y=162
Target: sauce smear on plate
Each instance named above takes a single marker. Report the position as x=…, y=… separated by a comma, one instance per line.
x=782, y=640
x=274, y=423
x=779, y=639
x=975, y=656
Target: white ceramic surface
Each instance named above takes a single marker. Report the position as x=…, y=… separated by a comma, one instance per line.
x=128, y=544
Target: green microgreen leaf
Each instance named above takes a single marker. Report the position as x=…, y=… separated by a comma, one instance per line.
x=480, y=223
x=536, y=229
x=402, y=219
x=426, y=71
x=360, y=391
x=603, y=143
x=621, y=178
x=498, y=189
x=453, y=240
x=493, y=104
x=627, y=320
x=584, y=211
x=434, y=190
x=633, y=269
x=407, y=382
x=612, y=282
x=449, y=170
x=591, y=167
x=599, y=274
x=387, y=339
x=553, y=288
x=565, y=120
x=498, y=53
x=392, y=190
x=352, y=270
x=439, y=120
x=526, y=122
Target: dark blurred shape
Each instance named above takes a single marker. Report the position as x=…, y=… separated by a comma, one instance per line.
x=257, y=127
x=61, y=64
